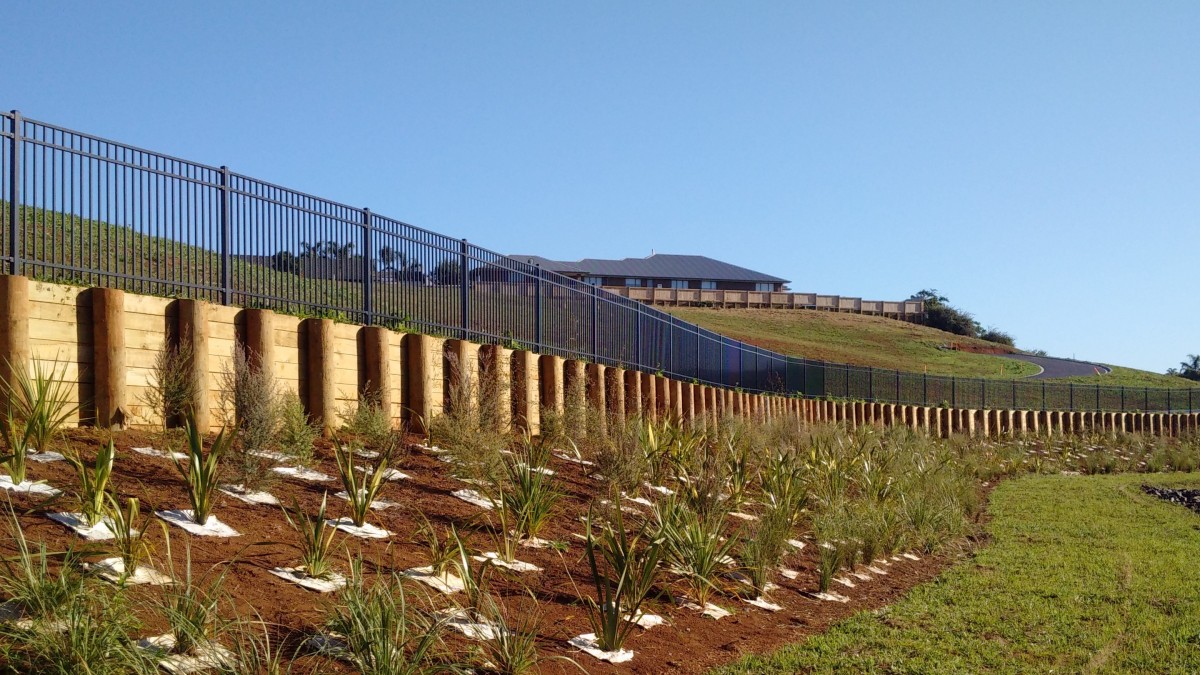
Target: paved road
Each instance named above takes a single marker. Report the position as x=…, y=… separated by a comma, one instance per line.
x=1052, y=367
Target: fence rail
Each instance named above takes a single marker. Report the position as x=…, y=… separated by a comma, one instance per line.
x=86, y=210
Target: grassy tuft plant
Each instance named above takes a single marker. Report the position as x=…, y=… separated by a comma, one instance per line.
x=693, y=545
x=315, y=540
x=623, y=571
x=531, y=496
x=361, y=491
x=93, y=482
x=764, y=548
x=16, y=440
x=384, y=633
x=191, y=607
x=27, y=579
x=201, y=476
x=443, y=551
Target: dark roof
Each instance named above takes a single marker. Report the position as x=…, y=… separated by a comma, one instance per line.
x=658, y=266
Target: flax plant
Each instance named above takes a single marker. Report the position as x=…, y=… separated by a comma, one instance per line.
x=361, y=492
x=531, y=497
x=693, y=545
x=42, y=401
x=16, y=439
x=201, y=474
x=129, y=533
x=623, y=570
x=315, y=540
x=93, y=482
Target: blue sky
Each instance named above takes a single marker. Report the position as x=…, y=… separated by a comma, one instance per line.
x=1036, y=162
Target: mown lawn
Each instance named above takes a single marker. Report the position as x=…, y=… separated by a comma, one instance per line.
x=1083, y=574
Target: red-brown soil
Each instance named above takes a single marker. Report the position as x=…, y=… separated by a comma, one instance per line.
x=689, y=643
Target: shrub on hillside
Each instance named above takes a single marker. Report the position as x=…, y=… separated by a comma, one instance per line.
x=998, y=336
x=941, y=315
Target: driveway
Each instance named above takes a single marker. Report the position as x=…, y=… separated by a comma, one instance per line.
x=1052, y=367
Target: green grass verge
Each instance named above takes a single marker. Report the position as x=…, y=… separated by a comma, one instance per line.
x=1083, y=574
x=1129, y=377
x=857, y=339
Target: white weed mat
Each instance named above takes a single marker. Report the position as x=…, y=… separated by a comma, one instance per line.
x=389, y=474
x=210, y=656
x=763, y=603
x=29, y=487
x=796, y=544
x=302, y=473
x=743, y=516
x=98, y=532
x=377, y=504
x=251, y=496
x=112, y=569
x=538, y=542
x=473, y=627
x=648, y=621
x=473, y=497
x=587, y=644
x=271, y=454
x=514, y=565
x=831, y=597
x=367, y=531
x=860, y=576
x=662, y=490
x=572, y=458
x=299, y=577
x=910, y=556
x=211, y=528
x=641, y=501
x=152, y=452
x=844, y=581
x=44, y=457
x=429, y=448
x=876, y=570
x=710, y=610
x=446, y=583
x=789, y=573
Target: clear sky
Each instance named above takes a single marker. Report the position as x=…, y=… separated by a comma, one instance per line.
x=1036, y=162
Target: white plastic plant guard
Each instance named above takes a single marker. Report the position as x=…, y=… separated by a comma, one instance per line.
x=473, y=497
x=210, y=656
x=184, y=518
x=588, y=645
x=302, y=473
x=98, y=532
x=29, y=487
x=298, y=576
x=250, y=497
x=446, y=583
x=514, y=565
x=152, y=452
x=112, y=569
x=367, y=531
x=377, y=504
x=763, y=603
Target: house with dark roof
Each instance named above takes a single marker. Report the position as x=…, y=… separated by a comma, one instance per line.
x=661, y=270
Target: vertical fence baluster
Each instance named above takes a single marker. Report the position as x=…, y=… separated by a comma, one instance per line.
x=368, y=270
x=14, y=196
x=226, y=286
x=464, y=290
x=537, y=314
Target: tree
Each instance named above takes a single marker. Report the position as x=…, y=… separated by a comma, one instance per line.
x=1189, y=369
x=447, y=272
x=941, y=315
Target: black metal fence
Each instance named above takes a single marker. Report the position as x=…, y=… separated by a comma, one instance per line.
x=90, y=211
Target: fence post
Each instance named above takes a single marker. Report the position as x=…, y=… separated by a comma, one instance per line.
x=464, y=290
x=637, y=337
x=537, y=314
x=226, y=286
x=368, y=271
x=14, y=195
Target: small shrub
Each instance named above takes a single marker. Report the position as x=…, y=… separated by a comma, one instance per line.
x=191, y=607
x=253, y=395
x=129, y=533
x=296, y=433
x=27, y=580
x=443, y=550
x=360, y=491
x=531, y=496
x=172, y=384
x=42, y=402
x=693, y=545
x=764, y=548
x=16, y=440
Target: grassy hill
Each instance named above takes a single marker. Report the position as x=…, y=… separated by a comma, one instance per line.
x=887, y=343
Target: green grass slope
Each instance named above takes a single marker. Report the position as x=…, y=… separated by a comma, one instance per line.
x=1083, y=574
x=858, y=339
